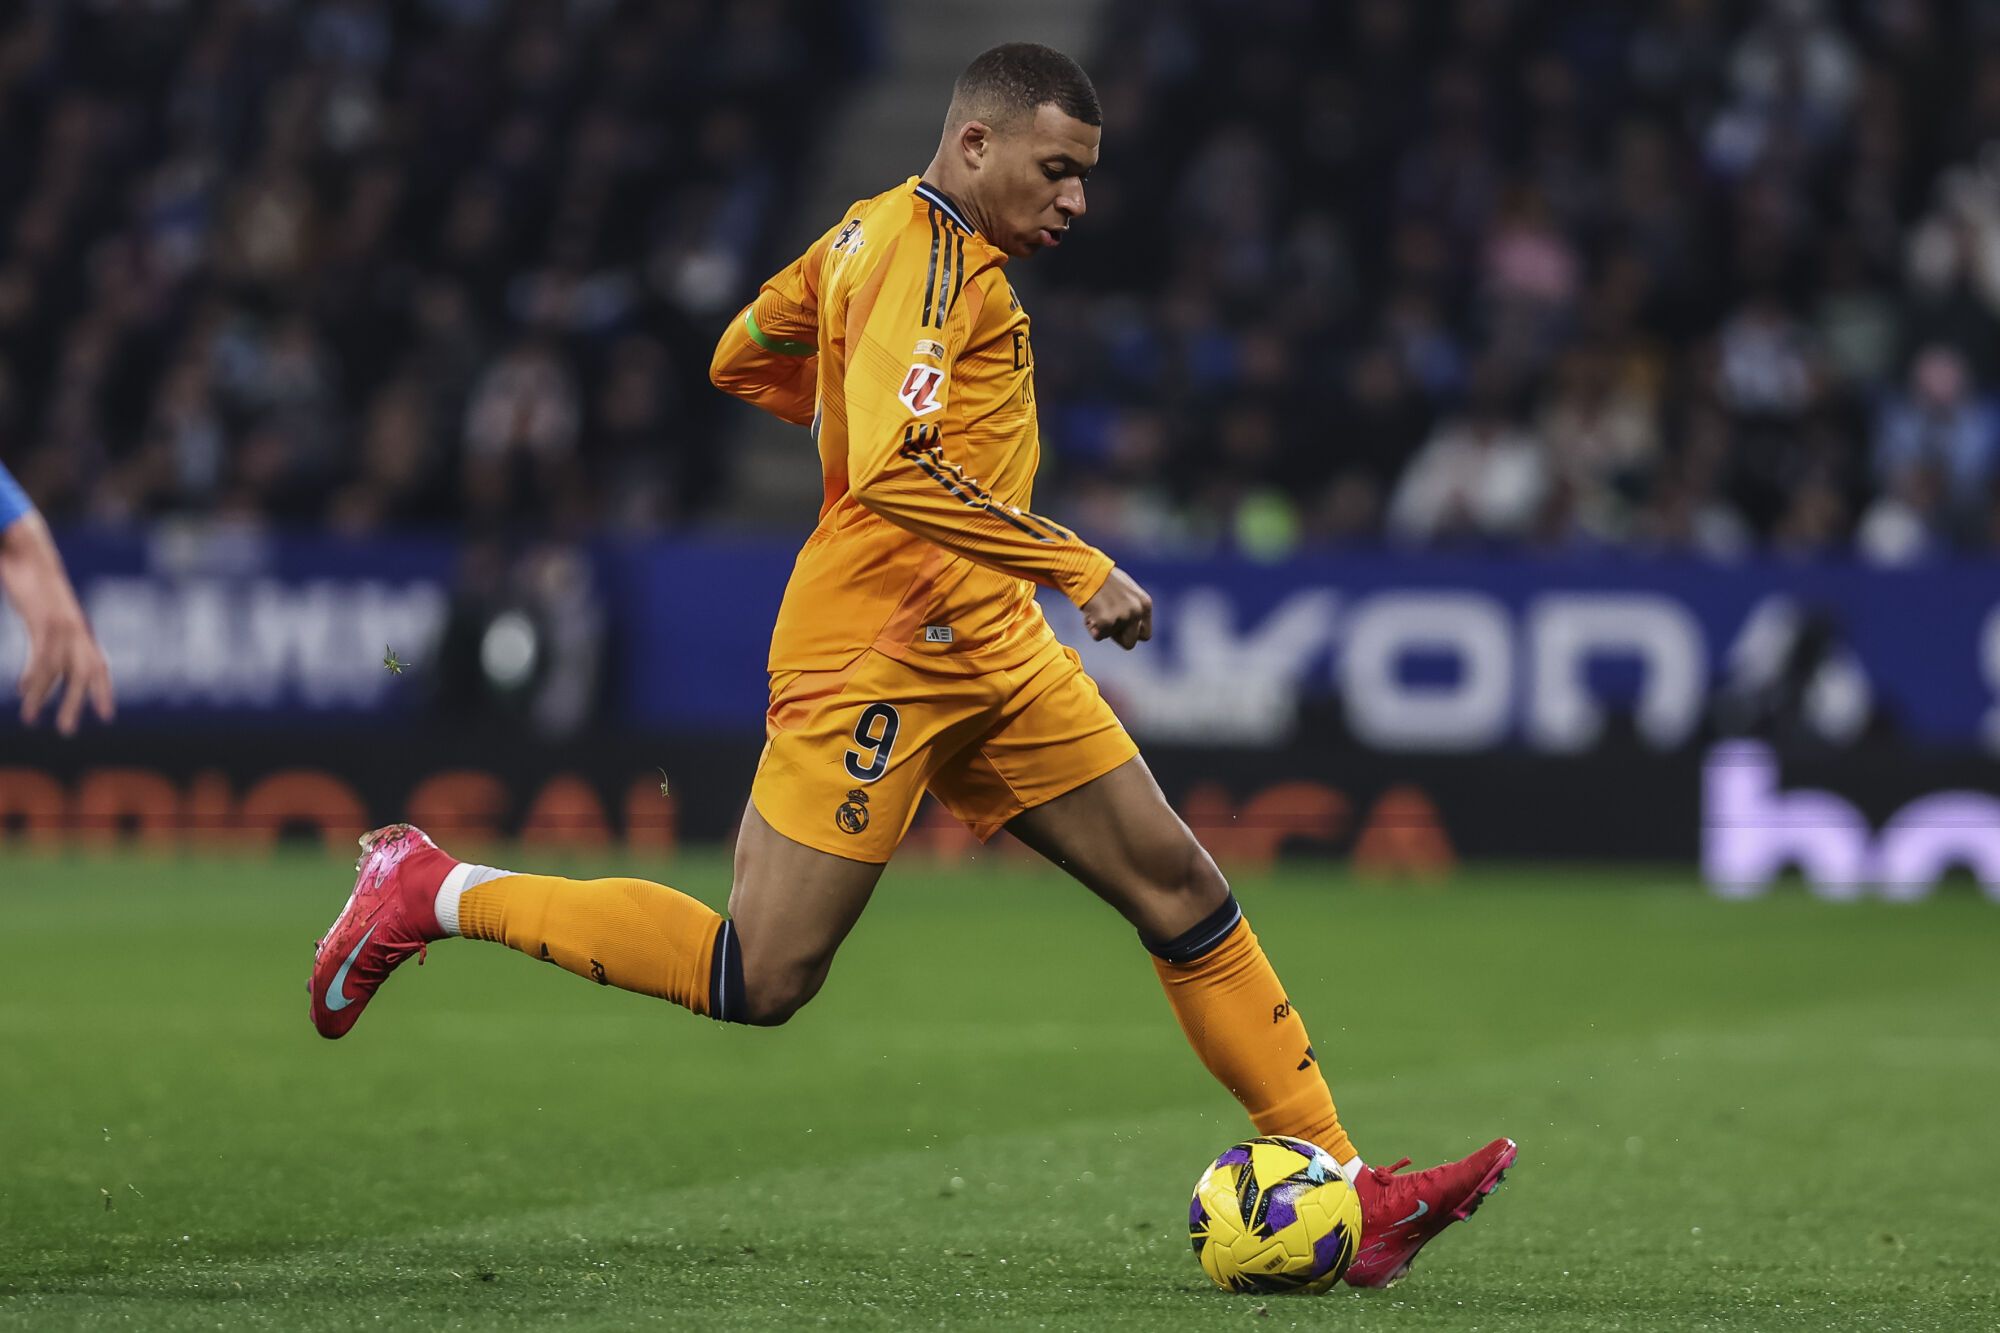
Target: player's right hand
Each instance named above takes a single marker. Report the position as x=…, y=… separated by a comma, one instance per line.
x=61, y=647
x=1121, y=611
x=59, y=652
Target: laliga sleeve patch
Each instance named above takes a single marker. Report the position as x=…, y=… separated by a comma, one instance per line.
x=922, y=390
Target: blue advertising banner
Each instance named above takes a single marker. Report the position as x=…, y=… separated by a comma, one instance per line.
x=1429, y=654
x=1395, y=652
x=219, y=624
x=1459, y=655
x=696, y=624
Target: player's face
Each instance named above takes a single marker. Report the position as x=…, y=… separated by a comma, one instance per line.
x=1034, y=180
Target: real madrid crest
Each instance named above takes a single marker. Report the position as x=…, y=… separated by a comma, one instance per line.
x=852, y=815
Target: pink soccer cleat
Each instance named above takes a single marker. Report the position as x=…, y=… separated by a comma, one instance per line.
x=1400, y=1214
x=391, y=914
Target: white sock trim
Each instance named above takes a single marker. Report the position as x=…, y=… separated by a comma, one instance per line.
x=461, y=877
x=1352, y=1168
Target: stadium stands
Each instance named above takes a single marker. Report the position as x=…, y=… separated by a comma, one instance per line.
x=1681, y=275
x=1678, y=275
x=364, y=264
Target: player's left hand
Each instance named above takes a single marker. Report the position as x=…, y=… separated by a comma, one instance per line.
x=1121, y=611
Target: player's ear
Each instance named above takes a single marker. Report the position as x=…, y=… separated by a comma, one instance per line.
x=975, y=137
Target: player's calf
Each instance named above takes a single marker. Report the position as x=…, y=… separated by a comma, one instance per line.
x=797, y=904
x=1121, y=838
x=629, y=933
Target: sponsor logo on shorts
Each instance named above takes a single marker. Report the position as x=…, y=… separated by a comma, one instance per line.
x=937, y=634
x=929, y=347
x=852, y=815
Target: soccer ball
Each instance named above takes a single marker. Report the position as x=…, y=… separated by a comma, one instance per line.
x=1274, y=1214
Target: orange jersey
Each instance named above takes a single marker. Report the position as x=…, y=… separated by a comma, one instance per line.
x=899, y=338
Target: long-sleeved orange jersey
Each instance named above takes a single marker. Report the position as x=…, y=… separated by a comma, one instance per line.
x=897, y=336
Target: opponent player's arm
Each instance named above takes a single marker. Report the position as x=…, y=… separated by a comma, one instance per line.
x=60, y=645
x=769, y=354
x=901, y=466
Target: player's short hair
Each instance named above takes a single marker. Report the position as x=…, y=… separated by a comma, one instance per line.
x=1014, y=79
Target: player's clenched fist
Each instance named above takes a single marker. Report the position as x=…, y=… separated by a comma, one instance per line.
x=1121, y=610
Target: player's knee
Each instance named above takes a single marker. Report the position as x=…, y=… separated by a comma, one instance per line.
x=773, y=1011
x=1203, y=882
x=1193, y=880
x=1182, y=888
x=771, y=1000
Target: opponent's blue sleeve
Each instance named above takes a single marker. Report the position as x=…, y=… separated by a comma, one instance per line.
x=13, y=500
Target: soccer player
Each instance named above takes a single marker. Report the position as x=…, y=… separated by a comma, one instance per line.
x=910, y=655
x=61, y=648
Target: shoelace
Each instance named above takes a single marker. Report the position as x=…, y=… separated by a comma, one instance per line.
x=1386, y=1179
x=423, y=952
x=1382, y=1173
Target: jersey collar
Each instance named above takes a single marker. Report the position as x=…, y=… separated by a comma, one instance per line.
x=933, y=195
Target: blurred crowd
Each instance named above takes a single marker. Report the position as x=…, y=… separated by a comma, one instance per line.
x=363, y=263
x=1670, y=274
x=1679, y=274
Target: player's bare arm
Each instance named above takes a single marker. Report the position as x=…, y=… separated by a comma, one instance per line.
x=62, y=652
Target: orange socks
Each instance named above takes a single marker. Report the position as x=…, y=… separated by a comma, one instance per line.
x=646, y=937
x=1239, y=1022
x=628, y=933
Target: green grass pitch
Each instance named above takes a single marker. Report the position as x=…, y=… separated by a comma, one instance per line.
x=1767, y=1115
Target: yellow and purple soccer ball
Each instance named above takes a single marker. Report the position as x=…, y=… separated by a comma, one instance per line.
x=1274, y=1214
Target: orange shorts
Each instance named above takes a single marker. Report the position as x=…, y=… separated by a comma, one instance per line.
x=848, y=754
